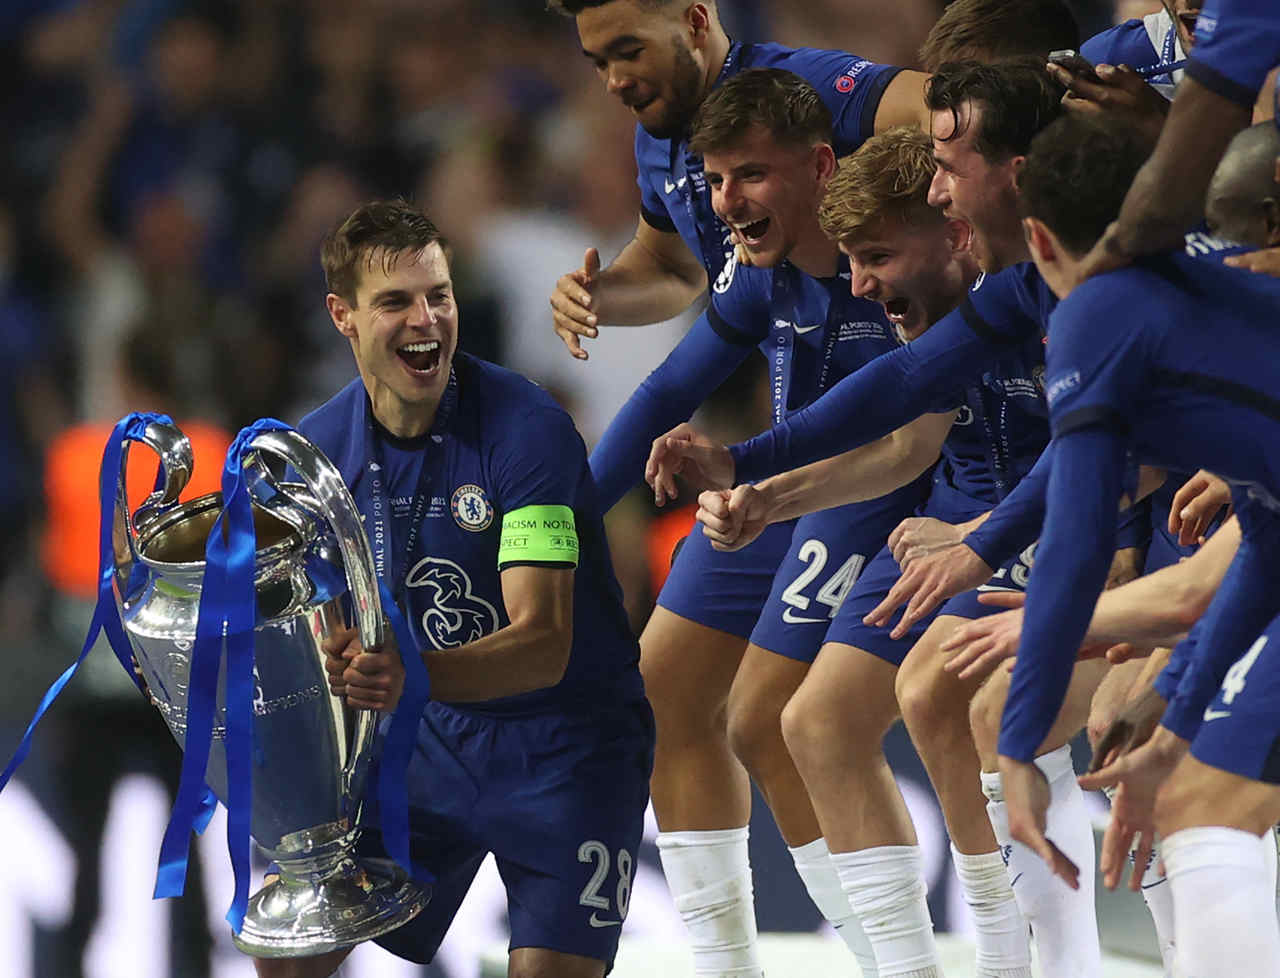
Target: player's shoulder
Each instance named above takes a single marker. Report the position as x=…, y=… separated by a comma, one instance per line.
x=494, y=392
x=1127, y=43
x=337, y=426
x=819, y=66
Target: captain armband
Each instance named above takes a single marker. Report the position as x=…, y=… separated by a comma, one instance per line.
x=538, y=535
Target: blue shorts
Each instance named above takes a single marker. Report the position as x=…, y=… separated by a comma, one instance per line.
x=725, y=591
x=558, y=799
x=880, y=577
x=1240, y=731
x=829, y=550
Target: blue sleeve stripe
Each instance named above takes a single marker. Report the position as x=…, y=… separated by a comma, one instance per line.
x=1220, y=84
x=725, y=331
x=988, y=333
x=1100, y=415
x=661, y=222
x=1228, y=390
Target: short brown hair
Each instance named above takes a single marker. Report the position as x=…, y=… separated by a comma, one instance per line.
x=992, y=30
x=389, y=227
x=888, y=177
x=1018, y=97
x=783, y=103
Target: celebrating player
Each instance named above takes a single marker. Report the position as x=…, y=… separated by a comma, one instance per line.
x=492, y=545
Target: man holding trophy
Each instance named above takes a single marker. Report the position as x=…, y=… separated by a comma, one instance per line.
x=476, y=498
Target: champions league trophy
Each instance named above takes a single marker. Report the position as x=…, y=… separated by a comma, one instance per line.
x=311, y=752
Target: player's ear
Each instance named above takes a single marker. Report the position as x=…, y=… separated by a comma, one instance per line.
x=1039, y=241
x=698, y=18
x=825, y=165
x=340, y=313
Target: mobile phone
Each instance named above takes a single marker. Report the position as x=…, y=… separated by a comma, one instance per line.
x=1074, y=63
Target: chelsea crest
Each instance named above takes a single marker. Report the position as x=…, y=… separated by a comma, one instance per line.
x=471, y=508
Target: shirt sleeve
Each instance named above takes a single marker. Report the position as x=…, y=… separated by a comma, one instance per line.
x=1072, y=560
x=653, y=207
x=1237, y=43
x=708, y=354
x=850, y=86
x=1016, y=522
x=895, y=388
x=1240, y=610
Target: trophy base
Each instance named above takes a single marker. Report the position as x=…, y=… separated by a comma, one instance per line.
x=293, y=918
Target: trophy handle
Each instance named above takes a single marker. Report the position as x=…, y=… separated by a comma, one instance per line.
x=337, y=506
x=174, y=449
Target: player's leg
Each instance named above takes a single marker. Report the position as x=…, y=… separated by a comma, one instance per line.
x=935, y=708
x=833, y=727
x=316, y=966
x=1063, y=921
x=564, y=816
x=689, y=653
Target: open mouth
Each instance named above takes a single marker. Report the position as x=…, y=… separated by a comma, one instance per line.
x=422, y=357
x=753, y=233
x=896, y=310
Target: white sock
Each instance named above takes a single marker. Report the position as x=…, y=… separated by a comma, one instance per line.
x=1158, y=896
x=813, y=864
x=1224, y=904
x=886, y=888
x=1063, y=922
x=709, y=876
x=1004, y=950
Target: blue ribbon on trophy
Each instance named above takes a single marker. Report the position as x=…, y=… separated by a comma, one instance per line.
x=106, y=614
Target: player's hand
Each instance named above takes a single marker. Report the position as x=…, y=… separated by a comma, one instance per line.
x=1195, y=505
x=926, y=583
x=686, y=452
x=572, y=303
x=371, y=680
x=1107, y=255
x=1265, y=261
x=1121, y=94
x=1137, y=775
x=977, y=647
x=919, y=535
x=733, y=518
x=1026, y=798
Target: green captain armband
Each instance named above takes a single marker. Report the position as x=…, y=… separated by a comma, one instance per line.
x=538, y=535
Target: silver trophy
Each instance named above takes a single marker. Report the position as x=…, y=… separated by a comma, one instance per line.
x=311, y=751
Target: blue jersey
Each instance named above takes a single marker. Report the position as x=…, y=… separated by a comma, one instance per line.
x=812, y=331
x=1002, y=312
x=674, y=195
x=1001, y=427
x=1237, y=43
x=434, y=509
x=1175, y=393
x=1144, y=43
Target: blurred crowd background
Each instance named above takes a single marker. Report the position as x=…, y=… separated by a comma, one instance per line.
x=169, y=170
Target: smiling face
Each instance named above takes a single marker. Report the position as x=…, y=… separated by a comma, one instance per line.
x=970, y=188
x=654, y=60
x=768, y=193
x=917, y=272
x=403, y=328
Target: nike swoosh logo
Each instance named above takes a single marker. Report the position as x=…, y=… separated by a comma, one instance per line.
x=1014, y=882
x=809, y=329
x=793, y=619
x=597, y=922
x=1215, y=714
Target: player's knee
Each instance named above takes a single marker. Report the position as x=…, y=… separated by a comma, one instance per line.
x=755, y=733
x=676, y=707
x=917, y=693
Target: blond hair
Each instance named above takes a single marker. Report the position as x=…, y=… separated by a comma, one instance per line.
x=888, y=177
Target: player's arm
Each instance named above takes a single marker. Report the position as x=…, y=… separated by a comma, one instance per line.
x=654, y=278
x=869, y=472
x=1074, y=555
x=530, y=653
x=700, y=362
x=902, y=103
x=1159, y=609
x=733, y=518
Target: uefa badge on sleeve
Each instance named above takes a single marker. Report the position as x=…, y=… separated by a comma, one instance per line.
x=471, y=508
